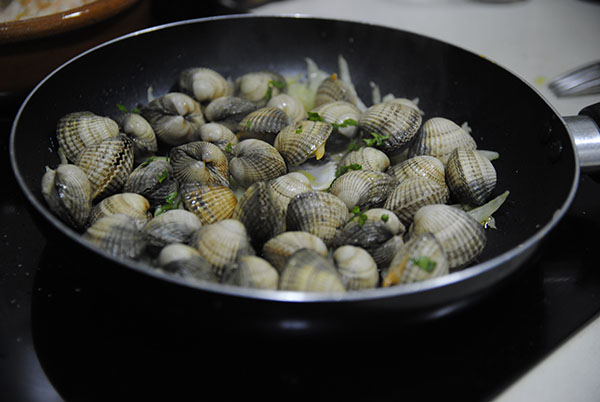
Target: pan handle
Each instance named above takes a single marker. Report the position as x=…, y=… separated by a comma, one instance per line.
x=585, y=129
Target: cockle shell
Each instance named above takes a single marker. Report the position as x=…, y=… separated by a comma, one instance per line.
x=199, y=161
x=220, y=135
x=332, y=89
x=368, y=158
x=279, y=248
x=185, y=261
x=316, y=212
x=291, y=105
x=204, y=84
x=141, y=134
x=438, y=137
x=210, y=203
x=132, y=204
x=306, y=139
x=422, y=257
x=260, y=212
x=363, y=188
x=356, y=267
x=222, y=244
x=308, y=271
x=76, y=131
x=175, y=117
x=117, y=234
x=396, y=122
x=228, y=111
x=252, y=272
x=460, y=235
x=288, y=186
x=339, y=113
x=263, y=123
x=153, y=179
x=426, y=166
x=413, y=193
x=255, y=160
x=259, y=86
x=172, y=226
x=107, y=164
x=68, y=193
x=471, y=177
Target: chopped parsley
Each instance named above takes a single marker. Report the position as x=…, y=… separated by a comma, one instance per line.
x=314, y=116
x=353, y=146
x=124, y=109
x=152, y=159
x=377, y=139
x=343, y=169
x=171, y=202
x=298, y=129
x=357, y=213
x=385, y=217
x=229, y=147
x=249, y=123
x=273, y=84
x=425, y=263
x=162, y=176
x=345, y=123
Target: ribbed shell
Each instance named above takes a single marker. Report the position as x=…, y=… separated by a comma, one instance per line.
x=332, y=89
x=261, y=213
x=252, y=272
x=263, y=123
x=175, y=117
x=395, y=120
x=356, y=267
x=279, y=248
x=339, y=112
x=154, y=180
x=297, y=143
x=199, y=161
x=426, y=166
x=204, y=84
x=78, y=130
x=288, y=186
x=187, y=262
x=461, y=236
x=384, y=254
x=319, y=213
x=410, y=261
x=228, y=111
x=438, y=137
x=209, y=203
x=413, y=193
x=369, y=235
x=117, y=234
x=141, y=134
x=219, y=135
x=291, y=105
x=255, y=160
x=107, y=164
x=471, y=177
x=173, y=226
x=365, y=188
x=368, y=158
x=222, y=244
x=308, y=271
x=132, y=204
x=68, y=193
x=254, y=86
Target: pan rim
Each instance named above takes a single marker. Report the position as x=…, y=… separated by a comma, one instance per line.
x=406, y=290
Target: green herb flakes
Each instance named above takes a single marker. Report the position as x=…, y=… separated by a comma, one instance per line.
x=343, y=169
x=377, y=139
x=425, y=263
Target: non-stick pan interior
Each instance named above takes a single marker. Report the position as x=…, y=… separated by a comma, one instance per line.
x=537, y=163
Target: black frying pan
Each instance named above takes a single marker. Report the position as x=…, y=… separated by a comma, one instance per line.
x=538, y=163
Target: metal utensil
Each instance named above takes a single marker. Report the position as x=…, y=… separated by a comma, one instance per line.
x=583, y=80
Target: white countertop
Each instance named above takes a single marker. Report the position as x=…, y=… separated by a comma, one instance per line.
x=536, y=40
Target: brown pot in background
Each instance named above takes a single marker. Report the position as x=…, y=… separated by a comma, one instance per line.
x=32, y=48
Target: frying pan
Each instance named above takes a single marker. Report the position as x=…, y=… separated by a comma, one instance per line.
x=538, y=161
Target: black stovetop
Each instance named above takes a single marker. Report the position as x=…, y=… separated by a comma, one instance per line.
x=67, y=336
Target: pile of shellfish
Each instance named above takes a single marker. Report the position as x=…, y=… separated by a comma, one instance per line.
x=215, y=182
